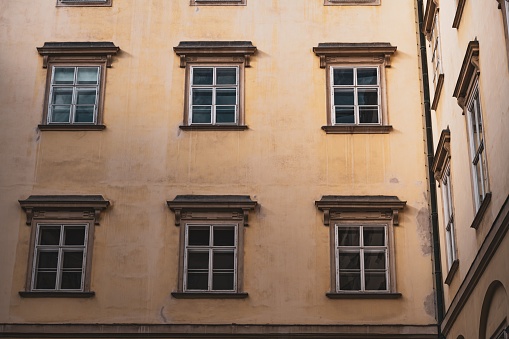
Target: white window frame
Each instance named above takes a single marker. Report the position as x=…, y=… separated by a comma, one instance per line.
x=362, y=249
x=448, y=209
x=436, y=50
x=61, y=248
x=356, y=87
x=211, y=249
x=75, y=88
x=214, y=88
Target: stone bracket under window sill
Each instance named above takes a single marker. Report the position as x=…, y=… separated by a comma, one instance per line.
x=363, y=295
x=357, y=129
x=459, y=14
x=213, y=127
x=69, y=127
x=56, y=294
x=438, y=91
x=452, y=271
x=480, y=213
x=209, y=295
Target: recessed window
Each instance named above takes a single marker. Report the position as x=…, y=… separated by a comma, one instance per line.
x=96, y=3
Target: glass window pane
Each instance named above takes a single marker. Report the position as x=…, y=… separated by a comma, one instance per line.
x=368, y=115
x=60, y=113
x=84, y=113
x=367, y=96
x=62, y=96
x=73, y=259
x=47, y=260
x=348, y=236
x=224, y=236
x=49, y=235
x=367, y=76
x=202, y=114
x=88, y=75
x=374, y=260
x=202, y=96
x=71, y=281
x=225, y=114
x=74, y=235
x=197, y=281
x=349, y=260
x=343, y=97
x=45, y=280
x=226, y=76
x=375, y=281
x=203, y=76
x=350, y=281
x=226, y=96
x=345, y=115
x=198, y=260
x=86, y=96
x=198, y=236
x=374, y=236
x=343, y=76
x=223, y=261
x=63, y=76
x=222, y=281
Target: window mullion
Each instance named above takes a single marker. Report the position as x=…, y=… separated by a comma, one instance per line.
x=211, y=268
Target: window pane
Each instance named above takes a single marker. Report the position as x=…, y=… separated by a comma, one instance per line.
x=343, y=97
x=202, y=96
x=62, y=96
x=60, y=113
x=226, y=76
x=63, y=76
x=49, y=235
x=349, y=260
x=225, y=114
x=203, y=76
x=86, y=96
x=202, y=114
x=197, y=281
x=88, y=75
x=84, y=113
x=198, y=236
x=73, y=259
x=223, y=261
x=367, y=96
x=343, y=76
x=198, y=260
x=226, y=96
x=348, y=236
x=222, y=281
x=375, y=281
x=345, y=115
x=71, y=281
x=374, y=236
x=350, y=281
x=374, y=260
x=47, y=260
x=74, y=235
x=46, y=280
x=368, y=115
x=224, y=236
x=367, y=76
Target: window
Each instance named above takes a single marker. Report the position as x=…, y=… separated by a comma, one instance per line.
x=96, y=3
x=61, y=247
x=214, y=97
x=217, y=2
x=75, y=84
x=356, y=86
x=432, y=31
x=351, y=2
x=211, y=244
x=362, y=263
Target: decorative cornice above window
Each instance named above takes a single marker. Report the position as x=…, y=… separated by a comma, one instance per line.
x=330, y=51
x=429, y=16
x=330, y=204
x=192, y=50
x=442, y=154
x=78, y=50
x=41, y=206
x=469, y=70
x=240, y=204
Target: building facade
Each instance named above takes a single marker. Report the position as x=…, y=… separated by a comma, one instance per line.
x=219, y=169
x=469, y=81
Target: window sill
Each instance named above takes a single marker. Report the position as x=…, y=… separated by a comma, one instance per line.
x=480, y=213
x=55, y=294
x=213, y=127
x=357, y=129
x=459, y=13
x=438, y=90
x=452, y=271
x=69, y=127
x=363, y=295
x=209, y=295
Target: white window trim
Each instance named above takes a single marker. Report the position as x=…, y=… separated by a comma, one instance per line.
x=448, y=210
